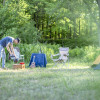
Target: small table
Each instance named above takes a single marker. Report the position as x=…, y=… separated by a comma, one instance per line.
x=40, y=59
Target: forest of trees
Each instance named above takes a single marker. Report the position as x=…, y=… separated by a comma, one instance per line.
x=44, y=20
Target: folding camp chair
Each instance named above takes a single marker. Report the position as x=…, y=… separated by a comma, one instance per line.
x=18, y=55
x=63, y=56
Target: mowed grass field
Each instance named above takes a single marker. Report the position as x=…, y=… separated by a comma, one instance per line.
x=51, y=83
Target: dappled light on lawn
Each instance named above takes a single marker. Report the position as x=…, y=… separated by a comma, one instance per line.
x=73, y=83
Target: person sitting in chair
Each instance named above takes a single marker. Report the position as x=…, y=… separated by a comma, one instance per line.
x=8, y=43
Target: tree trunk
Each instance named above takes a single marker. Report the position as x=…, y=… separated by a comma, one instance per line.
x=55, y=34
x=50, y=32
x=35, y=19
x=86, y=29
x=98, y=24
x=42, y=25
x=70, y=32
x=90, y=27
x=62, y=35
x=4, y=2
x=79, y=27
x=58, y=34
x=1, y=34
x=74, y=33
x=47, y=25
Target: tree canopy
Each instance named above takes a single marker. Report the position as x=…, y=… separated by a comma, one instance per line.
x=33, y=20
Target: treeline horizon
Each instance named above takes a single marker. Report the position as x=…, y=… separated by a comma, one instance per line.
x=33, y=20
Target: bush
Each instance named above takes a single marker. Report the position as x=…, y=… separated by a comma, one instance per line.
x=84, y=54
x=28, y=49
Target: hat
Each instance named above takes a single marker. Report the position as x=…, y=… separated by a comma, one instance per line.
x=18, y=40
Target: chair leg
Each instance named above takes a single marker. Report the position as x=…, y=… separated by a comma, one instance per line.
x=62, y=63
x=68, y=61
x=55, y=64
x=23, y=59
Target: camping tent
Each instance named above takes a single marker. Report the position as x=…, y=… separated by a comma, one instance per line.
x=96, y=63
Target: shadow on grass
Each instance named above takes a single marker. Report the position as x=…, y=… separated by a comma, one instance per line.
x=71, y=66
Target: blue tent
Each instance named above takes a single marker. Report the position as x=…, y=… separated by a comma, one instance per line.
x=96, y=63
x=97, y=67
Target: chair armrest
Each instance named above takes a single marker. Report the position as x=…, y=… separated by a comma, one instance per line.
x=66, y=54
x=56, y=54
x=21, y=55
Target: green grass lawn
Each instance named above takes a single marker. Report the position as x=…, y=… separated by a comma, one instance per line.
x=51, y=83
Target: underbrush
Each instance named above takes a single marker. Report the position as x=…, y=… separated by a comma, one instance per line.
x=85, y=54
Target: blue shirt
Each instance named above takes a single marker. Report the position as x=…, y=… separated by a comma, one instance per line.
x=4, y=42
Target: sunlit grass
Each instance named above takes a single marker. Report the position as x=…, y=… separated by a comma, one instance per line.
x=51, y=83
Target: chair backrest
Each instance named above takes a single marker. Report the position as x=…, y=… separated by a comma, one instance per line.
x=64, y=51
x=17, y=52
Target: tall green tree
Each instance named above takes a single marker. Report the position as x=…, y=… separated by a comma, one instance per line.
x=14, y=20
x=98, y=24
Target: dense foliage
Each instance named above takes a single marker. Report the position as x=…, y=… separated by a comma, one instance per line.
x=34, y=20
x=86, y=54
